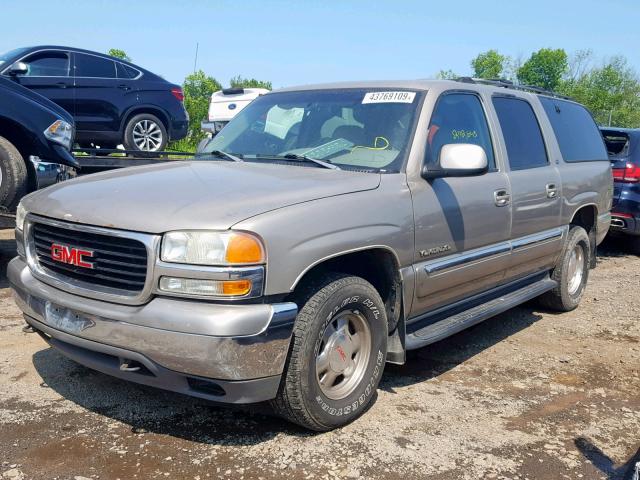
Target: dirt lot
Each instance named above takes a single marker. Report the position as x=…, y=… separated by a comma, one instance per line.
x=527, y=395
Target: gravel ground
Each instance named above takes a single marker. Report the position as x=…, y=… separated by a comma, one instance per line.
x=526, y=395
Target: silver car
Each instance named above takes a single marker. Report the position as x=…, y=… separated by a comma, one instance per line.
x=323, y=232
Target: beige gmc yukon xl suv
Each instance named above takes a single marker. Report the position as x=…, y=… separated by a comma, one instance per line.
x=323, y=232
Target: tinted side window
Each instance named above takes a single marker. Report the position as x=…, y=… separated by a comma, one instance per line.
x=96, y=67
x=618, y=143
x=521, y=131
x=124, y=71
x=458, y=118
x=48, y=64
x=577, y=133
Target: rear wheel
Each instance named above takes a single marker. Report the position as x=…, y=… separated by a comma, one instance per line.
x=145, y=133
x=338, y=352
x=13, y=175
x=571, y=272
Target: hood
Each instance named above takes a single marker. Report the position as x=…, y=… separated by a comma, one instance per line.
x=54, y=109
x=190, y=194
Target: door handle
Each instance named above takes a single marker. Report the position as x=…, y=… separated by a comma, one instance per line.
x=552, y=190
x=124, y=87
x=61, y=85
x=501, y=198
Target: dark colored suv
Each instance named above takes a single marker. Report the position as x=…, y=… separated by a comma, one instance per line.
x=36, y=136
x=624, y=151
x=112, y=101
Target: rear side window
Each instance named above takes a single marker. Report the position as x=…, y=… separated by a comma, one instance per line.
x=94, y=67
x=577, y=133
x=458, y=118
x=521, y=131
x=618, y=143
x=48, y=64
x=125, y=71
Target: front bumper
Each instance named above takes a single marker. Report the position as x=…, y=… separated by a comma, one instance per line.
x=209, y=352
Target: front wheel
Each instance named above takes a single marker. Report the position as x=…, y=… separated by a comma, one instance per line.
x=145, y=133
x=338, y=352
x=13, y=175
x=571, y=272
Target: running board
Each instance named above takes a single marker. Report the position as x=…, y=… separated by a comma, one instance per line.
x=456, y=323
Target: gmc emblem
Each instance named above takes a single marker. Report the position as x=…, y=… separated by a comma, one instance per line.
x=71, y=255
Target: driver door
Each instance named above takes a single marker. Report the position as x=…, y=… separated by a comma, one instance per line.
x=462, y=228
x=49, y=74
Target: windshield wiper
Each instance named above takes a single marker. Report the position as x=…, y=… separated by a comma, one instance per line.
x=304, y=158
x=219, y=154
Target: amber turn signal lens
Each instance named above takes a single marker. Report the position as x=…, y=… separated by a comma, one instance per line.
x=236, y=287
x=244, y=248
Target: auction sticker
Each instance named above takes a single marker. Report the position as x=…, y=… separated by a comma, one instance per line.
x=389, y=97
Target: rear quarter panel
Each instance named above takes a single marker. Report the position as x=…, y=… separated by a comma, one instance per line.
x=582, y=183
x=587, y=183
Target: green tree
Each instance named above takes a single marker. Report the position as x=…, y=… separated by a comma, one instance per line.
x=489, y=64
x=611, y=92
x=121, y=54
x=240, y=82
x=197, y=89
x=447, y=75
x=545, y=68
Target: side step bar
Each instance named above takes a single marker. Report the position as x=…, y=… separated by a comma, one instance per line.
x=456, y=323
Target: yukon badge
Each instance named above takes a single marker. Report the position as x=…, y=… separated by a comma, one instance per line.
x=435, y=250
x=71, y=255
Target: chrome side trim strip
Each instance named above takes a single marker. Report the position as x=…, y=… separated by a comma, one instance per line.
x=537, y=238
x=473, y=256
x=460, y=259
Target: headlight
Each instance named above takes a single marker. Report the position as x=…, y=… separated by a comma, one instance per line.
x=212, y=248
x=21, y=213
x=205, y=287
x=60, y=132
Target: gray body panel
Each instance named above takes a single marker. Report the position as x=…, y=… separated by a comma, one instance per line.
x=190, y=195
x=449, y=238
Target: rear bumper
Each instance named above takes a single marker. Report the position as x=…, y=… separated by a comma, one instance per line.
x=104, y=336
x=212, y=127
x=625, y=224
x=179, y=128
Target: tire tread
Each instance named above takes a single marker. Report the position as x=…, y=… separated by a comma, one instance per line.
x=289, y=402
x=16, y=172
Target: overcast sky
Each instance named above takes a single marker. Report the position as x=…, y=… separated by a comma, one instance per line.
x=302, y=42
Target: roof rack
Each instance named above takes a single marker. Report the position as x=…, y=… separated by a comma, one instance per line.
x=504, y=83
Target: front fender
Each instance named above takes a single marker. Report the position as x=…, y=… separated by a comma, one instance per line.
x=301, y=236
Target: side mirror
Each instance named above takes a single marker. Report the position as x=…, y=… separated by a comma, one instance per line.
x=18, y=68
x=459, y=160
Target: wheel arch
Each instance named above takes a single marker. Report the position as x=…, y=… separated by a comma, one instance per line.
x=586, y=216
x=139, y=109
x=378, y=264
x=20, y=137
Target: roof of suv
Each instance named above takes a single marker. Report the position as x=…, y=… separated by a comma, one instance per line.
x=427, y=84
x=35, y=48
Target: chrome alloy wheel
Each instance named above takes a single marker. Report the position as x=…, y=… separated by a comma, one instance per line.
x=575, y=271
x=343, y=355
x=147, y=135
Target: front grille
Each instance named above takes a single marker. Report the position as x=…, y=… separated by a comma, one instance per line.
x=119, y=263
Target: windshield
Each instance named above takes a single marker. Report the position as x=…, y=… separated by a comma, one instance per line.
x=352, y=128
x=5, y=57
